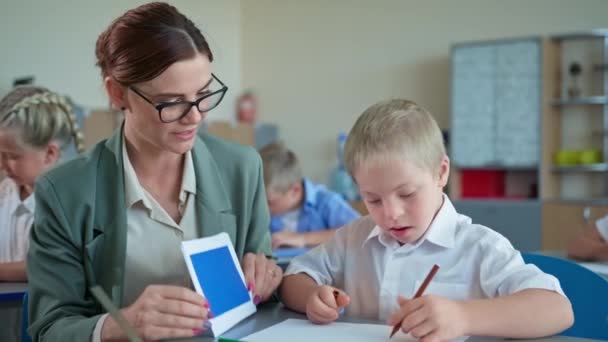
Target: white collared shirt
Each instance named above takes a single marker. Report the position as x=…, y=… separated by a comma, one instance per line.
x=154, y=239
x=149, y=224
x=602, y=227
x=16, y=218
x=373, y=268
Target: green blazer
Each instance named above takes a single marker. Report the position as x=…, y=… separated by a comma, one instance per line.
x=79, y=234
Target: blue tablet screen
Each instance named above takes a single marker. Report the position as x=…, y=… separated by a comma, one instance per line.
x=220, y=280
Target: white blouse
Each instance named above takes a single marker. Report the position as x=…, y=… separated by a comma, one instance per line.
x=16, y=218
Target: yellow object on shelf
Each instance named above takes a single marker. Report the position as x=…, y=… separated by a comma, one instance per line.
x=578, y=157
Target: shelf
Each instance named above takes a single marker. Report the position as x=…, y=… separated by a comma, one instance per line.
x=530, y=168
x=581, y=101
x=593, y=34
x=601, y=167
x=578, y=201
x=497, y=200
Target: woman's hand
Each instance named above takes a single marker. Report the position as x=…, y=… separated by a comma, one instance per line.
x=262, y=276
x=162, y=312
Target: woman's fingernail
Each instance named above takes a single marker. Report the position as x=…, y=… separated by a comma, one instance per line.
x=206, y=305
x=210, y=314
x=207, y=324
x=250, y=286
x=256, y=300
x=196, y=331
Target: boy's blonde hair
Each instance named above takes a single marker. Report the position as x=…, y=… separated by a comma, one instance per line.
x=40, y=116
x=281, y=167
x=395, y=129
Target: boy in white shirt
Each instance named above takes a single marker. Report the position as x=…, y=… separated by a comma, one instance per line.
x=396, y=155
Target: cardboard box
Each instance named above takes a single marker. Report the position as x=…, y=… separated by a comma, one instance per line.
x=99, y=125
x=241, y=133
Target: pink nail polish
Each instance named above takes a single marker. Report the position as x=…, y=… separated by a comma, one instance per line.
x=210, y=314
x=206, y=305
x=196, y=331
x=256, y=300
x=250, y=287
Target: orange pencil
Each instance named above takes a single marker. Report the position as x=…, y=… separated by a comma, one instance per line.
x=419, y=293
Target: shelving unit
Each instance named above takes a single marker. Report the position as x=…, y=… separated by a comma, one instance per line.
x=575, y=123
x=568, y=197
x=495, y=114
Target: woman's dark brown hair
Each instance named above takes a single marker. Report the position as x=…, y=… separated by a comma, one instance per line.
x=145, y=41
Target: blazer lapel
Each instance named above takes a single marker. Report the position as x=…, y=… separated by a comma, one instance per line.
x=110, y=216
x=214, y=210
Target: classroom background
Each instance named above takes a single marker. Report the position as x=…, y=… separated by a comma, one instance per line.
x=539, y=177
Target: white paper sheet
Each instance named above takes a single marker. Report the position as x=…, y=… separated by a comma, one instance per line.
x=298, y=330
x=597, y=267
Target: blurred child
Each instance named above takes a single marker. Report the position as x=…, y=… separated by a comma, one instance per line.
x=36, y=127
x=592, y=244
x=303, y=213
x=396, y=155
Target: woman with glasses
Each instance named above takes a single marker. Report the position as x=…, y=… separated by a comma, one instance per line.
x=117, y=216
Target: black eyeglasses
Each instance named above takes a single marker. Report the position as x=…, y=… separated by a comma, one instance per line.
x=173, y=111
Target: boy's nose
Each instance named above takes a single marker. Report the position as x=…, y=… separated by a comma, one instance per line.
x=392, y=212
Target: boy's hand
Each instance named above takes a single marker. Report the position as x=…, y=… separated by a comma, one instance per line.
x=289, y=239
x=323, y=306
x=431, y=318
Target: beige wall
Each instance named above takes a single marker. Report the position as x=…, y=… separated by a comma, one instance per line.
x=317, y=64
x=55, y=41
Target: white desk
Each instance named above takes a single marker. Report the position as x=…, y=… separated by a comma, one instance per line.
x=273, y=313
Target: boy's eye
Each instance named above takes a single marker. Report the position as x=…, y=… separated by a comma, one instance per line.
x=374, y=201
x=407, y=195
x=11, y=156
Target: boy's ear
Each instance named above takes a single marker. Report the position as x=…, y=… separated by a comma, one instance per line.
x=444, y=171
x=297, y=188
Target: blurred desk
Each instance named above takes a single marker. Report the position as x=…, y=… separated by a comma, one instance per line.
x=273, y=313
x=11, y=295
x=284, y=255
x=600, y=268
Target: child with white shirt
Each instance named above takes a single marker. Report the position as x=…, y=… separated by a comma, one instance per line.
x=36, y=126
x=396, y=155
x=592, y=243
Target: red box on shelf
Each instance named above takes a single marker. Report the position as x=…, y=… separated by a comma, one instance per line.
x=482, y=183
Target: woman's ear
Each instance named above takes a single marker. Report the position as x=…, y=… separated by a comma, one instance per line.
x=444, y=171
x=116, y=93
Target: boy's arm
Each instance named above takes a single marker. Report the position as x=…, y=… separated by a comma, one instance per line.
x=589, y=246
x=295, y=291
x=13, y=271
x=312, y=239
x=300, y=240
x=518, y=315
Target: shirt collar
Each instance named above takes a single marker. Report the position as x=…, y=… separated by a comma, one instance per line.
x=442, y=230
x=188, y=177
x=134, y=191
x=310, y=192
x=27, y=204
